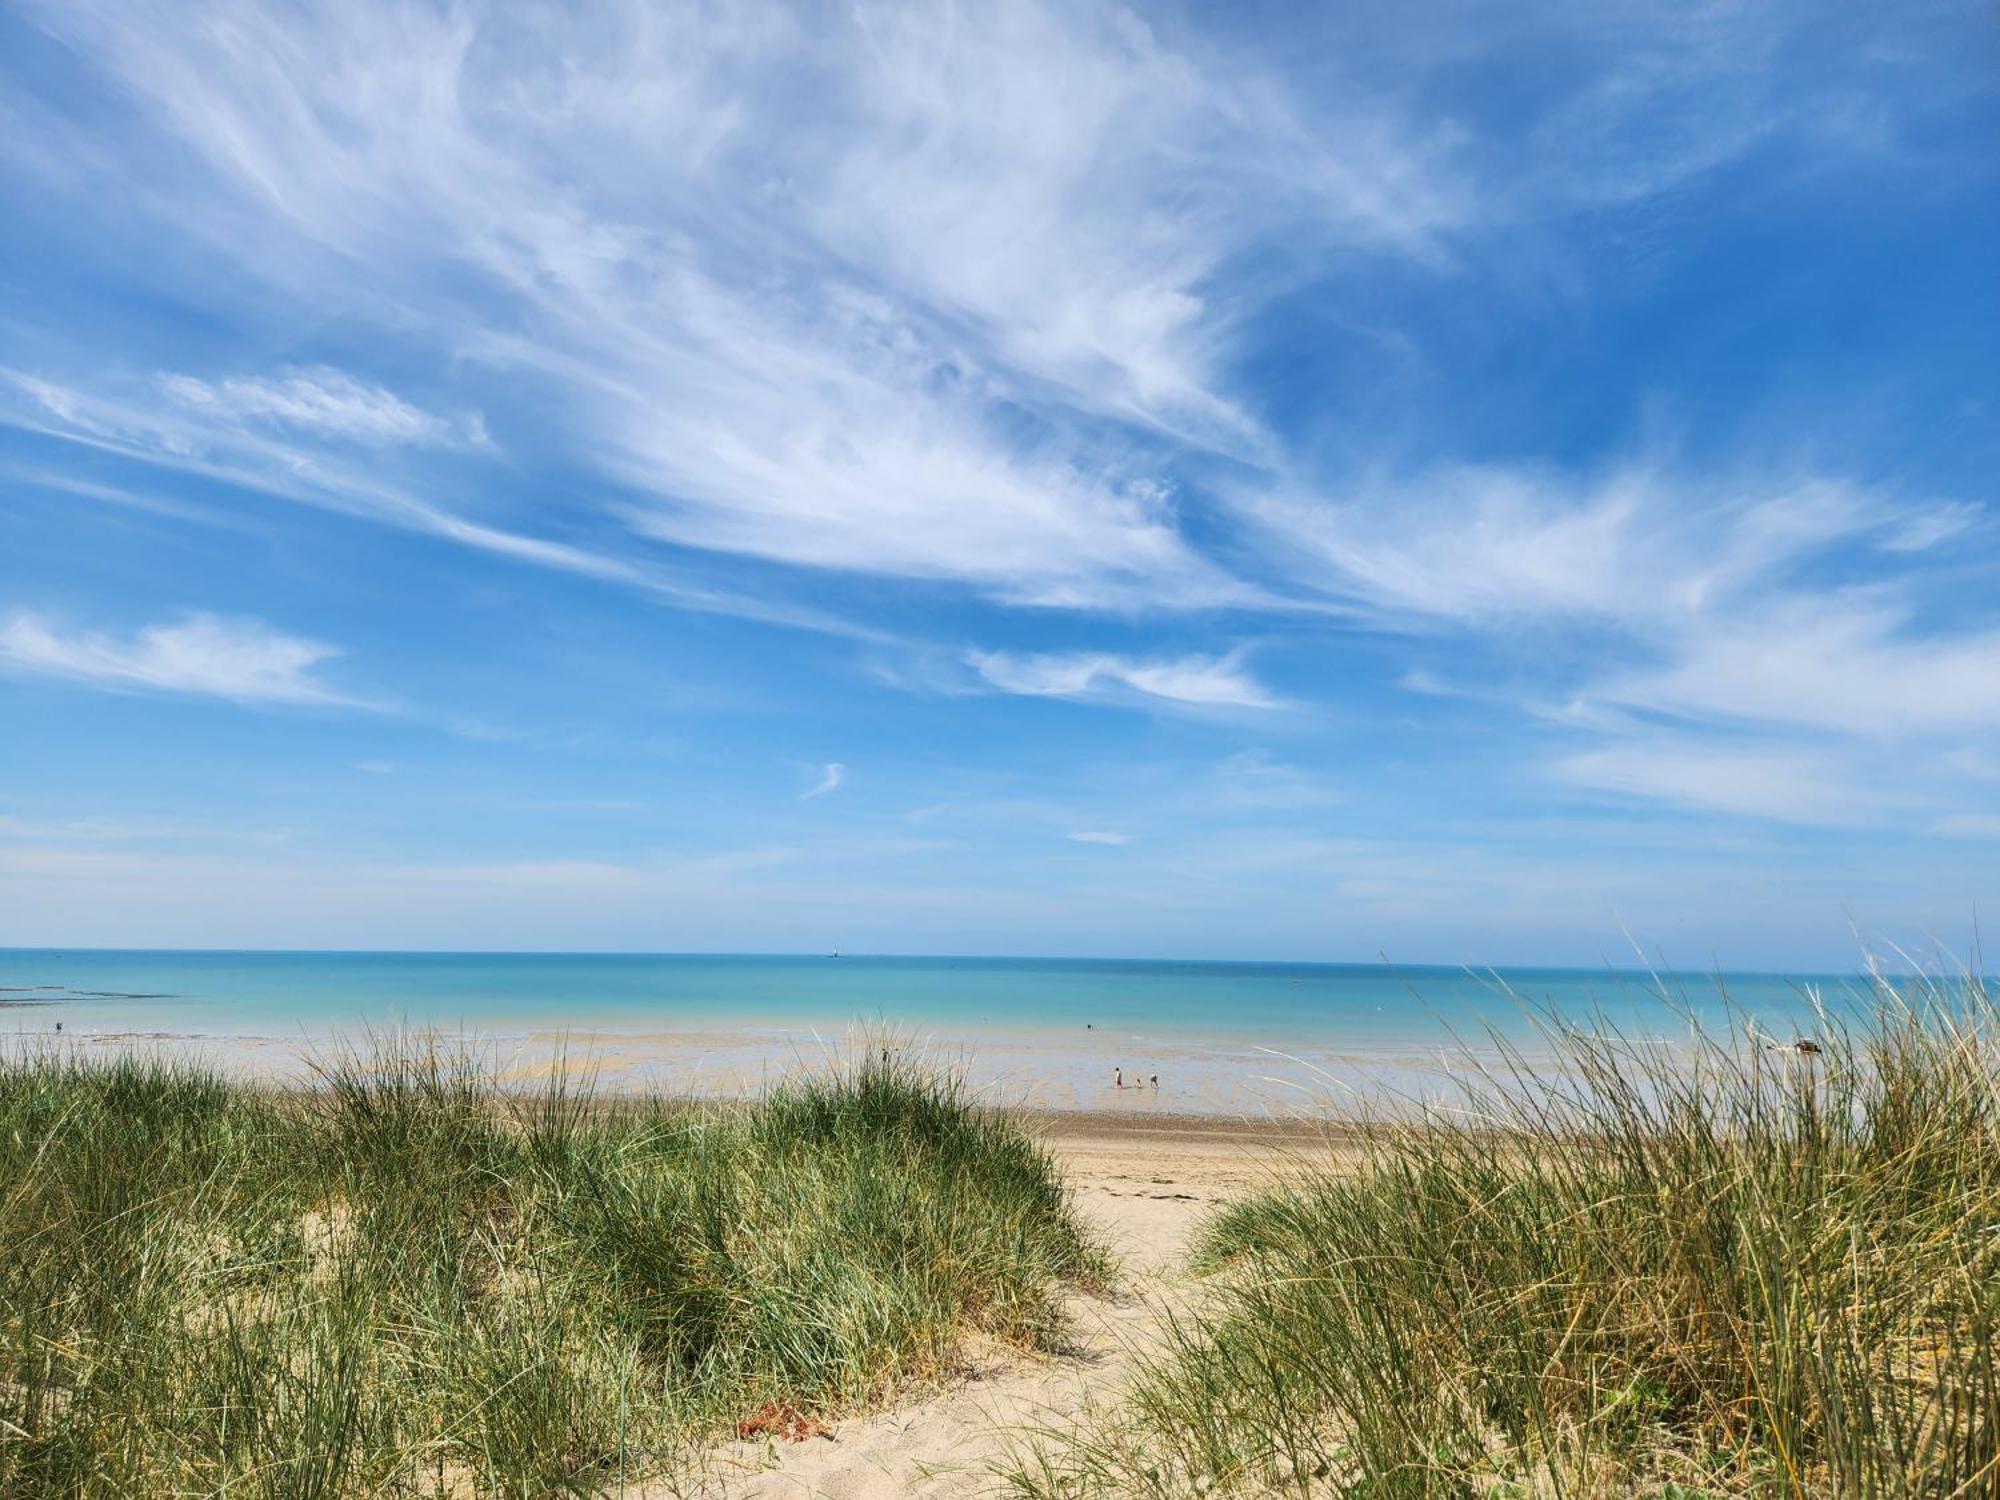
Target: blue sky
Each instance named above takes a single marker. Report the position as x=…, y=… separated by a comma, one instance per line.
x=1461, y=482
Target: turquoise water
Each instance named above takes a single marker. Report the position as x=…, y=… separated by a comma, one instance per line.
x=1347, y=1007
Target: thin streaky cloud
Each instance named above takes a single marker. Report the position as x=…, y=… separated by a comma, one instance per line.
x=112, y=494
x=205, y=655
x=831, y=372
x=1190, y=681
x=265, y=463
x=831, y=777
x=1835, y=662
x=324, y=402
x=1788, y=784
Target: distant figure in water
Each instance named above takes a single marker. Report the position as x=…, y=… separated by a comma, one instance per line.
x=1118, y=1078
x=58, y=1026
x=1156, y=1081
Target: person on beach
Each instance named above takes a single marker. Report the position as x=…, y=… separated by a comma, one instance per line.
x=1155, y=1083
x=1118, y=1078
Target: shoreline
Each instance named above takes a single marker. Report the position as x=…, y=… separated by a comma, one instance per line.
x=1064, y=1080
x=1046, y=1082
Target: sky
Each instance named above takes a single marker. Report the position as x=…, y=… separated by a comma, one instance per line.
x=1461, y=483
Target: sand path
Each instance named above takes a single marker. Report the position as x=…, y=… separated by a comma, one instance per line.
x=1144, y=1185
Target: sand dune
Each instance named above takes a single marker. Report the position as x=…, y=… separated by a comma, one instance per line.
x=1144, y=1184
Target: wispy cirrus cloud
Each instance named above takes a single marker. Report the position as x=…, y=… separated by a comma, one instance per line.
x=271, y=461
x=1787, y=783
x=323, y=402
x=1192, y=681
x=831, y=776
x=1850, y=662
x=1651, y=605
x=932, y=296
x=1641, y=547
x=911, y=294
x=205, y=655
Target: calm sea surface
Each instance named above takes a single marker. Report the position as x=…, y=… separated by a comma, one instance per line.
x=1346, y=1007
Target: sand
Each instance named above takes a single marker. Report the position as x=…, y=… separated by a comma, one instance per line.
x=1067, y=1073
x=1145, y=1167
x=1144, y=1184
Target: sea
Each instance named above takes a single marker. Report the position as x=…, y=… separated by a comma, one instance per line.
x=1056, y=1030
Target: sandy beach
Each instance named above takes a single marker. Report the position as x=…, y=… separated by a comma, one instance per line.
x=1144, y=1185
x=534, y=1265
x=1143, y=1168
x=1072, y=1075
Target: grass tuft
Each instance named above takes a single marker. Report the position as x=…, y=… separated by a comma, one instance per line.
x=405, y=1281
x=1724, y=1268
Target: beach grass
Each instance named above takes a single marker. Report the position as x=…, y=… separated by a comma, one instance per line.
x=406, y=1280
x=1722, y=1267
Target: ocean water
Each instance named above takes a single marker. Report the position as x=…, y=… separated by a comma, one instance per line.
x=1357, y=1008
x=1229, y=1038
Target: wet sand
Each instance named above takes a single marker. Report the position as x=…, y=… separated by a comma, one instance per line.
x=1056, y=1074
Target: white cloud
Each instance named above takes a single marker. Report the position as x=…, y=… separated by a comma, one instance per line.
x=1097, y=836
x=278, y=464
x=1678, y=100
x=1836, y=662
x=948, y=295
x=1926, y=527
x=1640, y=547
x=1193, y=681
x=1716, y=602
x=1721, y=584
x=324, y=402
x=109, y=494
x=890, y=271
x=1791, y=785
x=831, y=775
x=202, y=654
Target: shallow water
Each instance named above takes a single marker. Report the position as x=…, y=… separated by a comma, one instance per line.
x=1352, y=1005
x=1045, y=1031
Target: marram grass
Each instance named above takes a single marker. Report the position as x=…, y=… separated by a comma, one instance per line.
x=1724, y=1269
x=405, y=1282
